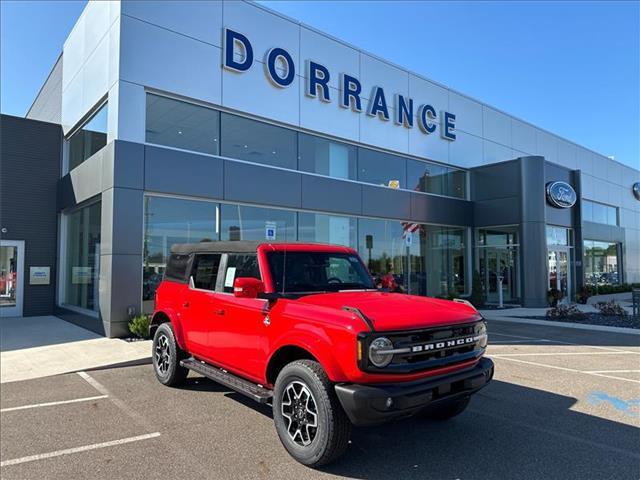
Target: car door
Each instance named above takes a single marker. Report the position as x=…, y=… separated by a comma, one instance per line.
x=239, y=337
x=200, y=309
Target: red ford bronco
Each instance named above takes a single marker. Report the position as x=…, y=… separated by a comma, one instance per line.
x=302, y=327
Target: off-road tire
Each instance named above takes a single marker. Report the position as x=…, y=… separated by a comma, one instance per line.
x=334, y=428
x=448, y=410
x=171, y=373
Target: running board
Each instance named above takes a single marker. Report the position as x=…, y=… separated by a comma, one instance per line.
x=240, y=385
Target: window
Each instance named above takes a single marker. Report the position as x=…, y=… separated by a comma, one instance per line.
x=177, y=268
x=599, y=213
x=168, y=221
x=258, y=142
x=182, y=125
x=432, y=178
x=382, y=168
x=89, y=138
x=205, y=271
x=240, y=266
x=251, y=223
x=326, y=157
x=82, y=262
x=558, y=235
x=320, y=228
x=498, y=256
x=601, y=263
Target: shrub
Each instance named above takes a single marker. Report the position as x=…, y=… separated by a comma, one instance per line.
x=566, y=311
x=477, y=291
x=553, y=297
x=139, y=326
x=611, y=309
x=586, y=292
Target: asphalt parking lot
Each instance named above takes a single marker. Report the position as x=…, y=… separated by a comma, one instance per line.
x=564, y=404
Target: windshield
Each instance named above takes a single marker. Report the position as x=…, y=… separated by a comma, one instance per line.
x=308, y=272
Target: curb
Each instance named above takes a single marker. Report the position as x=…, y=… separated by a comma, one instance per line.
x=576, y=326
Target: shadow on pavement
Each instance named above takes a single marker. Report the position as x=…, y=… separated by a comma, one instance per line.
x=28, y=332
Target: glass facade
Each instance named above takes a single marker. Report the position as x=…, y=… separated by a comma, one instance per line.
x=433, y=262
x=182, y=125
x=599, y=213
x=601, y=263
x=82, y=252
x=89, y=138
x=192, y=127
x=497, y=258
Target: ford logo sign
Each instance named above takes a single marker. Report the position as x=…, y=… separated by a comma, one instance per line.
x=561, y=195
x=636, y=190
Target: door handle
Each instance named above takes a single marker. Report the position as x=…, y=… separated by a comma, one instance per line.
x=185, y=304
x=218, y=311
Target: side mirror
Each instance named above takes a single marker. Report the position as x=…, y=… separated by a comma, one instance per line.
x=247, y=287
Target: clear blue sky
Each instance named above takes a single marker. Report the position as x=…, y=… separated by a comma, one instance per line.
x=572, y=68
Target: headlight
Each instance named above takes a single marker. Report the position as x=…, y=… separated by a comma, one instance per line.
x=376, y=352
x=482, y=333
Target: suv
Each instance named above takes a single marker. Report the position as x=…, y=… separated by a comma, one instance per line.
x=303, y=328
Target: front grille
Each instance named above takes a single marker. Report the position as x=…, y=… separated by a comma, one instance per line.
x=429, y=348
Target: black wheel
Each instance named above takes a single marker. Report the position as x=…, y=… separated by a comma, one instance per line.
x=308, y=416
x=166, y=357
x=448, y=410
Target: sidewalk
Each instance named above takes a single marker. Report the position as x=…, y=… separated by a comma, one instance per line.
x=34, y=347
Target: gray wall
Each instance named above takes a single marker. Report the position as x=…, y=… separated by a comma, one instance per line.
x=30, y=155
x=48, y=104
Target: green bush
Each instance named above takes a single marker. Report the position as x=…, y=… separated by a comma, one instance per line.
x=139, y=326
x=477, y=291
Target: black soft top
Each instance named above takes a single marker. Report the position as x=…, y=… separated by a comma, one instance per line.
x=240, y=246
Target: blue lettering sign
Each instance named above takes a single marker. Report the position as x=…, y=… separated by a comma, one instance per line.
x=378, y=104
x=270, y=67
x=448, y=126
x=404, y=111
x=350, y=89
x=426, y=116
x=231, y=39
x=317, y=76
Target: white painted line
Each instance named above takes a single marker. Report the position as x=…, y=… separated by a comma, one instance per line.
x=51, y=404
x=510, y=342
x=573, y=370
x=84, y=448
x=561, y=354
x=612, y=371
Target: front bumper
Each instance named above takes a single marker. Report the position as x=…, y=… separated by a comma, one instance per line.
x=367, y=404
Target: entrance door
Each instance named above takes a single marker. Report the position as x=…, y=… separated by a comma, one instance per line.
x=560, y=273
x=499, y=262
x=11, y=277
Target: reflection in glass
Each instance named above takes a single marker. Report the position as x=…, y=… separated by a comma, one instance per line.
x=239, y=222
x=326, y=157
x=82, y=262
x=8, y=276
x=320, y=228
x=599, y=213
x=438, y=179
x=169, y=221
x=89, y=138
x=498, y=257
x=600, y=263
x=381, y=168
x=182, y=125
x=258, y=142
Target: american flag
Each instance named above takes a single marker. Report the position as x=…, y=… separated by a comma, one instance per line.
x=409, y=228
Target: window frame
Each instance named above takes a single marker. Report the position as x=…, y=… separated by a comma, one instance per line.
x=90, y=115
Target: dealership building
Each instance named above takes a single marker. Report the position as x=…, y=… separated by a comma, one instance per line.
x=162, y=124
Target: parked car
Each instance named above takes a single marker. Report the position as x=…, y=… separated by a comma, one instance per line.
x=303, y=328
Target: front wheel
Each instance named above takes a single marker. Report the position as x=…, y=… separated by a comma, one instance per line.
x=166, y=357
x=309, y=419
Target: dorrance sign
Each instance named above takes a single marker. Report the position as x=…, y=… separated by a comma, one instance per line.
x=561, y=195
x=280, y=70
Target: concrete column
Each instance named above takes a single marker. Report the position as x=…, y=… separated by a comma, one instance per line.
x=533, y=240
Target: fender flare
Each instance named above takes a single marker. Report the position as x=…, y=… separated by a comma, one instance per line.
x=174, y=319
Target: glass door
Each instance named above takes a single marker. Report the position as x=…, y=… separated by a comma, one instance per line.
x=560, y=273
x=11, y=277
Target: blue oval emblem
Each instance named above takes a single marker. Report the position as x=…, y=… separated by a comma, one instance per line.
x=636, y=190
x=561, y=195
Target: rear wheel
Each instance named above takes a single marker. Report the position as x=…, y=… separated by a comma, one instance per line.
x=448, y=410
x=166, y=357
x=308, y=416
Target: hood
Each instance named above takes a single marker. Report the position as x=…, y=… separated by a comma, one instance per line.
x=397, y=311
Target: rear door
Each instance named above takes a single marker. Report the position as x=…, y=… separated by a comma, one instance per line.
x=200, y=310
x=240, y=333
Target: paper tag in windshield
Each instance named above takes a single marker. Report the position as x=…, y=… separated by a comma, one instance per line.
x=231, y=275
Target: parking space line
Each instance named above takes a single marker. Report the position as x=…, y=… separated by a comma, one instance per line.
x=558, y=354
x=84, y=448
x=612, y=371
x=51, y=404
x=610, y=349
x=573, y=370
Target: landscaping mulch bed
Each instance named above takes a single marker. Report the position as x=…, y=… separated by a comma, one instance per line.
x=629, y=321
